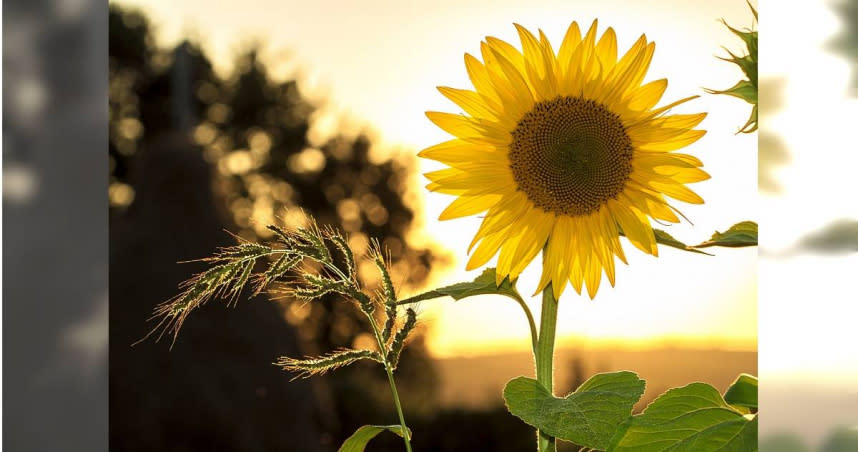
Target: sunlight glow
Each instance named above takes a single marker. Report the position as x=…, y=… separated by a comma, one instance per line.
x=381, y=61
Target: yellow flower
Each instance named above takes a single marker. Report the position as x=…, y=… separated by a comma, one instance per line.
x=565, y=151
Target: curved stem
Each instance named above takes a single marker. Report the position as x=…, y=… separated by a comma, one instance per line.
x=534, y=339
x=406, y=436
x=545, y=357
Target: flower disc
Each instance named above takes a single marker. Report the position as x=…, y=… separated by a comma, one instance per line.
x=570, y=155
x=564, y=152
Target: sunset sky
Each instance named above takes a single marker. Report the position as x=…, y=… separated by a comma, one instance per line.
x=377, y=63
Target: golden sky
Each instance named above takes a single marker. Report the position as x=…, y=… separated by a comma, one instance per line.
x=380, y=61
x=809, y=309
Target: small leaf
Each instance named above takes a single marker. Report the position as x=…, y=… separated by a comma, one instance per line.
x=360, y=438
x=739, y=235
x=743, y=392
x=691, y=418
x=481, y=285
x=588, y=417
x=666, y=239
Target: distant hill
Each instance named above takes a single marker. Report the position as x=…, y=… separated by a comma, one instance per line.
x=477, y=382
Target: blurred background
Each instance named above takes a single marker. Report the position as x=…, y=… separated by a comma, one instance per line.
x=808, y=225
x=237, y=118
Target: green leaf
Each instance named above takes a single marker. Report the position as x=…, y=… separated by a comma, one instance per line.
x=359, y=439
x=481, y=285
x=739, y=235
x=587, y=417
x=743, y=89
x=666, y=239
x=747, y=439
x=743, y=392
x=691, y=418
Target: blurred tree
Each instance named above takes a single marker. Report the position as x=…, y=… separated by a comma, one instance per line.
x=169, y=115
x=845, y=43
x=772, y=150
x=783, y=442
x=842, y=439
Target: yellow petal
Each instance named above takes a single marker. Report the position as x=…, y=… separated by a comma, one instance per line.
x=593, y=275
x=689, y=137
x=468, y=205
x=487, y=248
x=480, y=78
x=485, y=180
x=508, y=51
x=647, y=95
x=508, y=248
x=555, y=264
x=471, y=102
x=677, y=191
x=532, y=51
x=661, y=211
x=686, y=121
x=569, y=44
x=657, y=159
x=578, y=69
x=436, y=187
x=515, y=81
x=606, y=49
x=687, y=175
x=469, y=129
x=532, y=244
x=661, y=110
x=635, y=225
x=460, y=152
x=627, y=78
x=502, y=215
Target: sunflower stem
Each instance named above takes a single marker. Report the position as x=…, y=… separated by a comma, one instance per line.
x=545, y=357
x=388, y=367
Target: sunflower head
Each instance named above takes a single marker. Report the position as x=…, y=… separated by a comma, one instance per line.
x=564, y=151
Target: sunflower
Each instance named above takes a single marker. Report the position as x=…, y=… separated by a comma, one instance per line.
x=564, y=152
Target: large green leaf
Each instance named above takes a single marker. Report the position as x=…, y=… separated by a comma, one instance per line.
x=587, y=417
x=693, y=418
x=359, y=439
x=743, y=392
x=482, y=285
x=739, y=235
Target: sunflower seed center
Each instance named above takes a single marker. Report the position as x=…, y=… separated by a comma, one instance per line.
x=570, y=155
